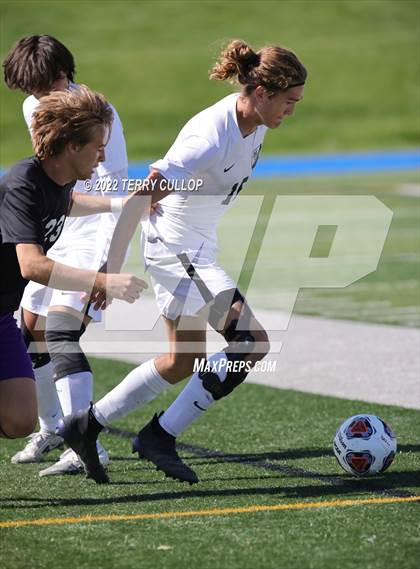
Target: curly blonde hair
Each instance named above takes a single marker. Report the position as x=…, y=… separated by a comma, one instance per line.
x=64, y=117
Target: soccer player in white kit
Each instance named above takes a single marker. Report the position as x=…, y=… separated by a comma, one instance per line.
x=38, y=65
x=217, y=149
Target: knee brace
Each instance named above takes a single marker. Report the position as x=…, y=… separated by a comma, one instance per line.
x=38, y=359
x=62, y=334
x=240, y=345
x=221, y=306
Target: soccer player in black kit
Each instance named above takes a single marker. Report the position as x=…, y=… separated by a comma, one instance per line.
x=69, y=132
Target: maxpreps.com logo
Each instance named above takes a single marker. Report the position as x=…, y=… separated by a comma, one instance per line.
x=360, y=428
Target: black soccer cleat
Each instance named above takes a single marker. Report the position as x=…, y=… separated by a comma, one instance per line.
x=80, y=431
x=158, y=446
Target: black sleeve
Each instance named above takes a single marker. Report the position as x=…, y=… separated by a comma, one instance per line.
x=21, y=216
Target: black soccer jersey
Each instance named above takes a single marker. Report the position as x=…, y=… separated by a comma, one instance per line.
x=33, y=209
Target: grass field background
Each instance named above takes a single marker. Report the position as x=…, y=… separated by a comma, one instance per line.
x=151, y=59
x=279, y=444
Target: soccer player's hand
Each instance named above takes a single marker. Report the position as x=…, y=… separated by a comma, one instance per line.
x=123, y=286
x=97, y=296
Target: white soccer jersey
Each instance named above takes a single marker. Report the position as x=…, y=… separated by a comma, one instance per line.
x=211, y=148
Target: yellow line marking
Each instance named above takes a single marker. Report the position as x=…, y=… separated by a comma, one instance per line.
x=213, y=512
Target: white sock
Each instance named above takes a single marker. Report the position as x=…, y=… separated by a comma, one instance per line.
x=191, y=403
x=49, y=409
x=141, y=385
x=75, y=391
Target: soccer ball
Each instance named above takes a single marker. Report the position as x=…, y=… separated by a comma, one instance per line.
x=364, y=445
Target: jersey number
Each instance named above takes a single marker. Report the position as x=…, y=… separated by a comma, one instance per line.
x=53, y=228
x=236, y=188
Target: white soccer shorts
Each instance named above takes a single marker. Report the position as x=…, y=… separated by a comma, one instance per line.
x=81, y=254
x=177, y=292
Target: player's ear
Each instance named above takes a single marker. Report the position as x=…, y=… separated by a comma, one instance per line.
x=260, y=92
x=73, y=148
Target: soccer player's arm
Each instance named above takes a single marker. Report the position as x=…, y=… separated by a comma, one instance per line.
x=83, y=204
x=136, y=207
x=22, y=227
x=113, y=185
x=35, y=266
x=183, y=162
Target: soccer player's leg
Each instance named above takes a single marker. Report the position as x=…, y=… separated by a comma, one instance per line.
x=67, y=317
x=247, y=342
x=18, y=411
x=18, y=407
x=141, y=385
x=69, y=390
x=187, y=339
x=49, y=410
x=73, y=378
x=80, y=431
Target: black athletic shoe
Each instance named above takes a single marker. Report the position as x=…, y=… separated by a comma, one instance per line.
x=158, y=446
x=80, y=431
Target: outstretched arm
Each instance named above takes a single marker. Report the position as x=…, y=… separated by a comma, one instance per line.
x=136, y=207
x=83, y=204
x=34, y=265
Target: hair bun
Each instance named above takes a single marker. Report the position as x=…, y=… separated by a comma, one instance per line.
x=235, y=61
x=274, y=67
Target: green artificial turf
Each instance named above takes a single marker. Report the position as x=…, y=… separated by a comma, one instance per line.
x=280, y=444
x=152, y=60
x=390, y=294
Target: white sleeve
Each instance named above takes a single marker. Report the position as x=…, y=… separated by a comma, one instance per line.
x=28, y=108
x=108, y=221
x=115, y=150
x=187, y=158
